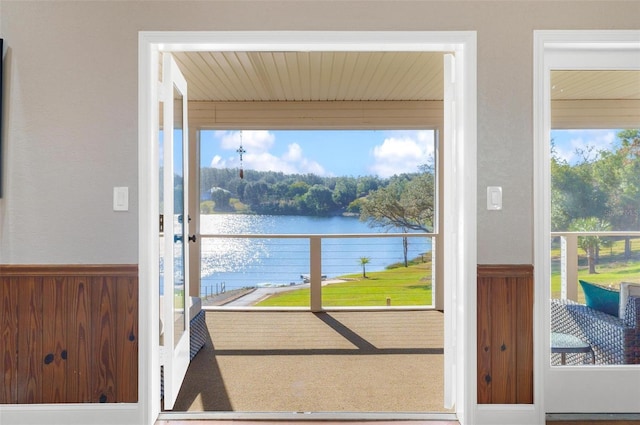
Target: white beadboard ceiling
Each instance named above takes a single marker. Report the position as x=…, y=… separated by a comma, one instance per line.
x=359, y=76
x=595, y=85
x=312, y=76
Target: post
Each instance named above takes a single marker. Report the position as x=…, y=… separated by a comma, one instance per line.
x=569, y=267
x=315, y=273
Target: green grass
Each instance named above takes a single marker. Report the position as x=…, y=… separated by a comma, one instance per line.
x=611, y=269
x=411, y=286
x=404, y=286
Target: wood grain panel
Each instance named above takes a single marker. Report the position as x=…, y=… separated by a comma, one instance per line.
x=524, y=341
x=484, y=341
x=505, y=334
x=30, y=358
x=503, y=344
x=69, y=333
x=127, y=340
x=103, y=299
x=9, y=340
x=54, y=340
x=79, y=340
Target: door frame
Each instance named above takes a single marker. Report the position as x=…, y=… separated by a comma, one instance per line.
x=459, y=167
x=573, y=50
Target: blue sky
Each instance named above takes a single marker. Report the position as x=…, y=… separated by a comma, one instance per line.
x=353, y=152
x=322, y=152
x=568, y=142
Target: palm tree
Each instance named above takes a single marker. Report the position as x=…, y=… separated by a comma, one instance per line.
x=363, y=262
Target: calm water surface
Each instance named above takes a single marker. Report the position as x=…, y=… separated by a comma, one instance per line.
x=239, y=262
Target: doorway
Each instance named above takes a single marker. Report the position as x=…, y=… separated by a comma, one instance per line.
x=459, y=172
x=580, y=388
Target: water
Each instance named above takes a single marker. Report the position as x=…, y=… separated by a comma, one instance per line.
x=238, y=262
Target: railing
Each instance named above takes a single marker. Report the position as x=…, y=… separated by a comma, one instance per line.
x=569, y=258
x=297, y=260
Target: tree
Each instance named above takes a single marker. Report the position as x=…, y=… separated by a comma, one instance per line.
x=405, y=203
x=298, y=188
x=590, y=244
x=575, y=191
x=221, y=198
x=619, y=173
x=363, y=262
x=318, y=199
x=344, y=191
x=367, y=185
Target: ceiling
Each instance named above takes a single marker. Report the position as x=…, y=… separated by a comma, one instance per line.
x=312, y=76
x=359, y=76
x=595, y=85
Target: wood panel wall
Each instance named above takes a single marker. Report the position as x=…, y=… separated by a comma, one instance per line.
x=505, y=334
x=69, y=334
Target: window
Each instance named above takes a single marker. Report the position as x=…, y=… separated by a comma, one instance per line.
x=334, y=183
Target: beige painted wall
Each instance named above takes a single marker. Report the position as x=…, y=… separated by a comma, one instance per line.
x=71, y=106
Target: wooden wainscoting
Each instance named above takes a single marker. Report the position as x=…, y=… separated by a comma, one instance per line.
x=68, y=334
x=505, y=334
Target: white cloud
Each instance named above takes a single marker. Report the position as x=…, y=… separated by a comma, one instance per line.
x=582, y=140
x=402, y=153
x=217, y=162
x=254, y=140
x=257, y=156
x=291, y=162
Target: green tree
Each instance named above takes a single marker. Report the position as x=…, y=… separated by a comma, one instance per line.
x=298, y=188
x=407, y=203
x=344, y=191
x=319, y=199
x=221, y=198
x=619, y=173
x=366, y=185
x=576, y=191
x=590, y=244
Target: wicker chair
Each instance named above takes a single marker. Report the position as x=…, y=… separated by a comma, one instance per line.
x=613, y=340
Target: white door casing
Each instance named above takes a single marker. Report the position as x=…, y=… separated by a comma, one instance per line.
x=459, y=235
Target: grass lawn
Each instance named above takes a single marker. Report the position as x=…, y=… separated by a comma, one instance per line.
x=404, y=286
x=411, y=286
x=610, y=270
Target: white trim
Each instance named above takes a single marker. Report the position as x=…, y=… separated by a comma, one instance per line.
x=463, y=159
x=64, y=414
x=571, y=389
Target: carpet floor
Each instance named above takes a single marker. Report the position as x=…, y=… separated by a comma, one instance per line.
x=385, y=361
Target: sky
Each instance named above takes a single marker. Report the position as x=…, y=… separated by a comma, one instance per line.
x=326, y=153
x=355, y=152
x=568, y=143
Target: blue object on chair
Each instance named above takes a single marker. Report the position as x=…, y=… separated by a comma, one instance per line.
x=600, y=298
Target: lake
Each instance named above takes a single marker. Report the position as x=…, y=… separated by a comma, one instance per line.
x=249, y=262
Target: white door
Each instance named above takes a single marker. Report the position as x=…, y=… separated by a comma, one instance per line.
x=583, y=388
x=175, y=287
x=447, y=224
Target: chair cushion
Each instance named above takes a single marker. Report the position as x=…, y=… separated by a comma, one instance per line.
x=627, y=289
x=600, y=298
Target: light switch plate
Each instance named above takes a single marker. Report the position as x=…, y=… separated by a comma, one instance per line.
x=121, y=199
x=494, y=198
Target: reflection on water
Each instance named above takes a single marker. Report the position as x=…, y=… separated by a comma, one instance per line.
x=244, y=262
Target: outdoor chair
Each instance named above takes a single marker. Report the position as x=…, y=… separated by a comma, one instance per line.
x=614, y=340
